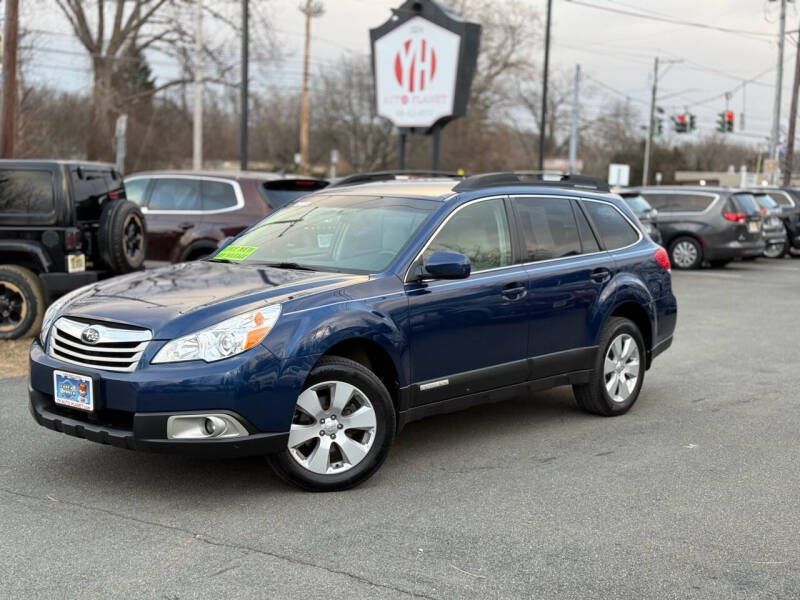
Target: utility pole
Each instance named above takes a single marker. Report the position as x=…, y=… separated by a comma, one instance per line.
x=197, y=139
x=312, y=9
x=744, y=106
x=776, y=111
x=8, y=129
x=573, y=138
x=543, y=124
x=787, y=171
x=245, y=85
x=649, y=141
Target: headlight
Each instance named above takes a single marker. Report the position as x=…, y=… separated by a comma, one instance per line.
x=54, y=310
x=229, y=338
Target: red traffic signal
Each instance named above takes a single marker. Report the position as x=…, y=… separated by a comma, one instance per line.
x=682, y=118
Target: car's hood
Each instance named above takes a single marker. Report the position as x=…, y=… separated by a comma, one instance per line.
x=181, y=298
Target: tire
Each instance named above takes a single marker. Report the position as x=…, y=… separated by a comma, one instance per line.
x=719, y=264
x=302, y=463
x=686, y=253
x=776, y=250
x=594, y=397
x=122, y=236
x=21, y=302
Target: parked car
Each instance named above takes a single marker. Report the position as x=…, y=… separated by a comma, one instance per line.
x=788, y=200
x=773, y=230
x=324, y=329
x=702, y=223
x=648, y=216
x=62, y=225
x=190, y=213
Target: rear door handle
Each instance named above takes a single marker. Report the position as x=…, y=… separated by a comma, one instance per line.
x=514, y=291
x=601, y=275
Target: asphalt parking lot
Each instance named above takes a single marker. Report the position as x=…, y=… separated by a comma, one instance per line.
x=693, y=494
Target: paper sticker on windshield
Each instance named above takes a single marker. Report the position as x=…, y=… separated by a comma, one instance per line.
x=235, y=253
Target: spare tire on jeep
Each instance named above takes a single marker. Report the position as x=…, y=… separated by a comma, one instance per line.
x=122, y=236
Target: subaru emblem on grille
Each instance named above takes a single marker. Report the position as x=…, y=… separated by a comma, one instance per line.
x=90, y=335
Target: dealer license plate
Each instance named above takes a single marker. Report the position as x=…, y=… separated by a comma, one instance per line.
x=76, y=263
x=73, y=390
x=752, y=227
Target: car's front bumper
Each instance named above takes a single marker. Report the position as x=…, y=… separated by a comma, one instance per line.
x=148, y=432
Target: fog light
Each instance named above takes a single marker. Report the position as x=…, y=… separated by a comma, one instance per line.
x=204, y=427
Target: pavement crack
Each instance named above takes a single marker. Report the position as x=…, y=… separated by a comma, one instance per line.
x=222, y=544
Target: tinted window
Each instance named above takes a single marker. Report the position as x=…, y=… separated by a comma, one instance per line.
x=613, y=228
x=637, y=204
x=135, y=189
x=340, y=233
x=175, y=194
x=279, y=193
x=217, y=195
x=549, y=227
x=26, y=192
x=480, y=232
x=765, y=201
x=678, y=202
x=587, y=237
x=746, y=204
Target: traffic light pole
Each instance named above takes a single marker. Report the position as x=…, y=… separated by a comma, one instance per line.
x=649, y=141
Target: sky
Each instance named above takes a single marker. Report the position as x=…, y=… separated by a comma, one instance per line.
x=615, y=51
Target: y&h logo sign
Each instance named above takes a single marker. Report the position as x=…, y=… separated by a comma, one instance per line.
x=415, y=65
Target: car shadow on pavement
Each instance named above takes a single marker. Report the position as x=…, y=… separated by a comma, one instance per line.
x=430, y=441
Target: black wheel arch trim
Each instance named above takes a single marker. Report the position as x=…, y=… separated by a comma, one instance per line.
x=34, y=249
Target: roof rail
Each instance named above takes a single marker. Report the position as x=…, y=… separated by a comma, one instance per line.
x=390, y=176
x=542, y=178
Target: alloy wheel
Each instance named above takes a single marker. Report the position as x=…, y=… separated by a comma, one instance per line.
x=774, y=250
x=621, y=368
x=13, y=307
x=684, y=254
x=333, y=428
x=133, y=233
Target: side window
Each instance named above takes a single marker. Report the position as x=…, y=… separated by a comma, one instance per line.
x=549, y=227
x=135, y=189
x=611, y=225
x=479, y=231
x=668, y=203
x=587, y=236
x=781, y=198
x=217, y=195
x=26, y=192
x=175, y=194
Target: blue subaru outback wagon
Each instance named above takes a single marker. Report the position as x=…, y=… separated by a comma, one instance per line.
x=317, y=334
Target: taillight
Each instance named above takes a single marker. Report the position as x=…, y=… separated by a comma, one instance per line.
x=73, y=239
x=735, y=217
x=662, y=258
x=763, y=210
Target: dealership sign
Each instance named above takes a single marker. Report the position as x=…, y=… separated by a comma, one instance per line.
x=423, y=61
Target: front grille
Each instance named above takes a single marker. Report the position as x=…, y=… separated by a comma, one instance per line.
x=116, y=348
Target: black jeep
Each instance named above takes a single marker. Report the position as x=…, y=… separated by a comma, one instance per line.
x=62, y=225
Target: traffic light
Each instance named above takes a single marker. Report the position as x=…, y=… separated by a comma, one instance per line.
x=722, y=124
x=692, y=123
x=728, y=120
x=659, y=126
x=681, y=126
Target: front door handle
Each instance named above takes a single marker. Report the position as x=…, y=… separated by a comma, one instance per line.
x=514, y=291
x=601, y=275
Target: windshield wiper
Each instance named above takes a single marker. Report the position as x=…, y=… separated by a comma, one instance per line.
x=288, y=265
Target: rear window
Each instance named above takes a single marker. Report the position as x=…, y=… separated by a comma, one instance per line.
x=764, y=201
x=217, y=195
x=26, y=195
x=613, y=228
x=279, y=193
x=747, y=204
x=678, y=202
x=637, y=203
x=781, y=198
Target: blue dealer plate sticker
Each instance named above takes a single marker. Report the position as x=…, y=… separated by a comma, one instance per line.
x=73, y=390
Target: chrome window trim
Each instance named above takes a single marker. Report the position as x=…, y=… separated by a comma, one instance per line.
x=715, y=196
x=446, y=220
x=237, y=190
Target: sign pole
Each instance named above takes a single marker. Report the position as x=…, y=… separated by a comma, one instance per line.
x=437, y=130
x=401, y=151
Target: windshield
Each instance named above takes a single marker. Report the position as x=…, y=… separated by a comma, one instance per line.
x=352, y=234
x=637, y=204
x=764, y=201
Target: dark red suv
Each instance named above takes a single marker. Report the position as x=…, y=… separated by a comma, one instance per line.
x=189, y=212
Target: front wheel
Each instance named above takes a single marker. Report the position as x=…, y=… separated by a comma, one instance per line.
x=21, y=302
x=618, y=371
x=342, y=428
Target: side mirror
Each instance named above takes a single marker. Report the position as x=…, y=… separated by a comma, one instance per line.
x=447, y=265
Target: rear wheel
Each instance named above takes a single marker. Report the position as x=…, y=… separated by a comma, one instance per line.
x=776, y=250
x=21, y=302
x=342, y=428
x=122, y=236
x=686, y=253
x=618, y=372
